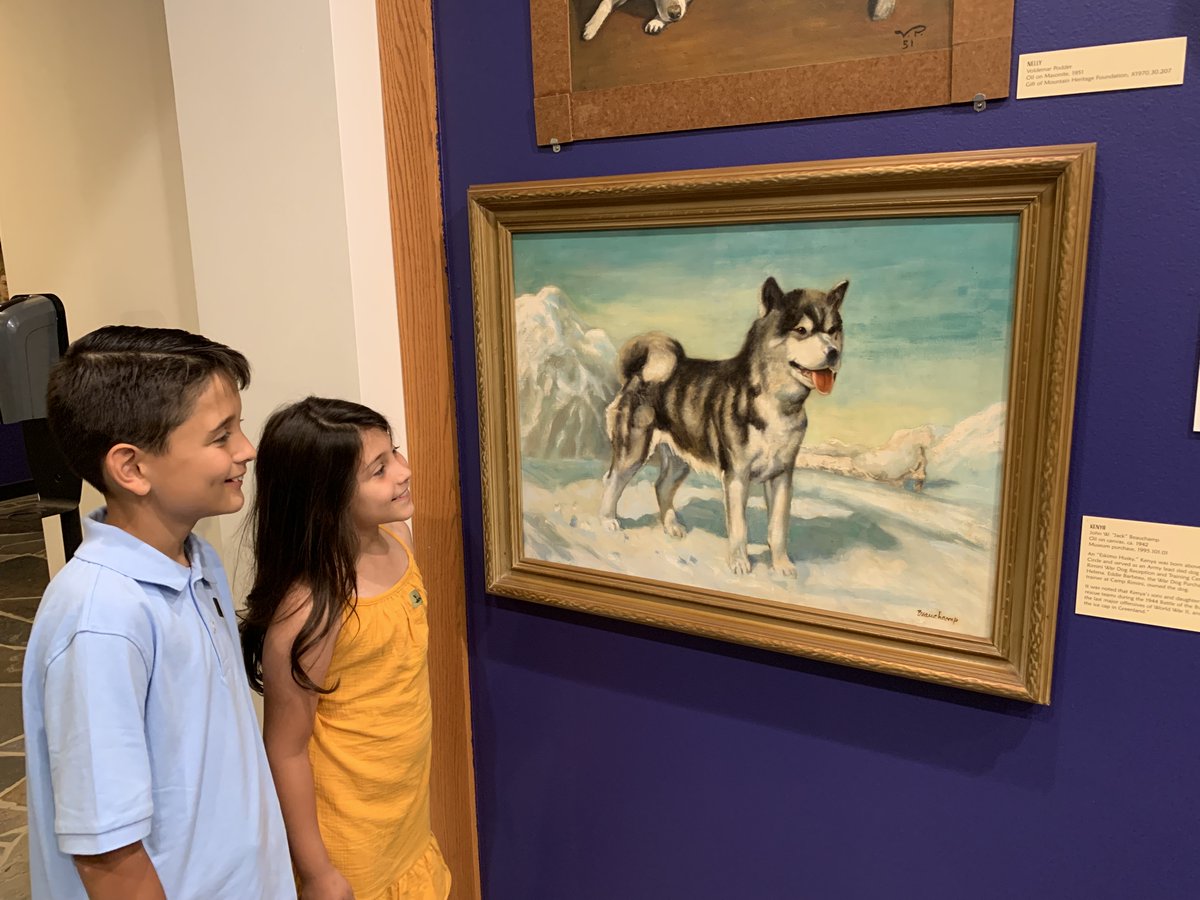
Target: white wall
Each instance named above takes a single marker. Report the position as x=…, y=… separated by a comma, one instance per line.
x=91, y=193
x=91, y=184
x=368, y=219
x=280, y=126
x=214, y=165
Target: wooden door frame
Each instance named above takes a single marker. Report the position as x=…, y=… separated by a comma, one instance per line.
x=422, y=294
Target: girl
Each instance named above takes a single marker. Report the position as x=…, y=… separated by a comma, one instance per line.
x=335, y=638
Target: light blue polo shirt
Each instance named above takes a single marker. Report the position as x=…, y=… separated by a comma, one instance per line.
x=139, y=727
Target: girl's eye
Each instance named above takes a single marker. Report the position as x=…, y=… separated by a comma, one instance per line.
x=223, y=438
x=379, y=471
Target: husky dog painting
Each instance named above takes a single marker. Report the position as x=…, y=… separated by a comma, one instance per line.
x=649, y=66
x=807, y=413
x=742, y=418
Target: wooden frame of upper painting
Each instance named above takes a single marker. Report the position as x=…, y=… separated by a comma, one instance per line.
x=603, y=68
x=822, y=408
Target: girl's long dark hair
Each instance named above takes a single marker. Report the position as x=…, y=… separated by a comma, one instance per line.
x=301, y=526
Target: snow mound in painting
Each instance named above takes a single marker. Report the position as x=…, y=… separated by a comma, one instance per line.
x=963, y=461
x=566, y=377
x=892, y=462
x=970, y=453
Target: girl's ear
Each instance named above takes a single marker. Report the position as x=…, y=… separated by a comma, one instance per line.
x=123, y=469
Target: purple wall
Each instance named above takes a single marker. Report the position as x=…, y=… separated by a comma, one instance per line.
x=14, y=468
x=617, y=762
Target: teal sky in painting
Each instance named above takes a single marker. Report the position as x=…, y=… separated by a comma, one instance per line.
x=927, y=315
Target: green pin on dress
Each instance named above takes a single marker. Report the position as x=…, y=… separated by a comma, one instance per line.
x=415, y=595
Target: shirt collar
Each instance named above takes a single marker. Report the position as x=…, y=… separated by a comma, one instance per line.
x=111, y=547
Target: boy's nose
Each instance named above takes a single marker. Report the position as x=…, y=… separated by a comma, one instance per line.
x=248, y=453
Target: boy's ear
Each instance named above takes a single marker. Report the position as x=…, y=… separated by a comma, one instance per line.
x=123, y=469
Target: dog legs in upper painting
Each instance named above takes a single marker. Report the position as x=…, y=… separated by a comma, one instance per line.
x=667, y=11
x=741, y=418
x=602, y=12
x=881, y=9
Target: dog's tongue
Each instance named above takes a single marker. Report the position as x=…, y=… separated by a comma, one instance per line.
x=823, y=380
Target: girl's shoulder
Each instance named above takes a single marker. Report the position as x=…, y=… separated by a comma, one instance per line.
x=297, y=600
x=293, y=610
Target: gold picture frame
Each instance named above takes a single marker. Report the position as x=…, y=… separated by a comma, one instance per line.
x=1042, y=194
x=734, y=64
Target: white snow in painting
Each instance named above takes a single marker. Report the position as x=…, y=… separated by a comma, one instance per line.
x=566, y=376
x=904, y=532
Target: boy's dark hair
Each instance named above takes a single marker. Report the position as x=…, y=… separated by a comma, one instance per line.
x=124, y=384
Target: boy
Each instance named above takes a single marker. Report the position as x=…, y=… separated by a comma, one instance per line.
x=146, y=773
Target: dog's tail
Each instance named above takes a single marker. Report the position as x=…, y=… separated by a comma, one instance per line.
x=646, y=361
x=652, y=357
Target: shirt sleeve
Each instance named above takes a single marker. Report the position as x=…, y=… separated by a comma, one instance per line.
x=95, y=700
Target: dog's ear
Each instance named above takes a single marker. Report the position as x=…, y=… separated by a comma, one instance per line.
x=838, y=294
x=772, y=296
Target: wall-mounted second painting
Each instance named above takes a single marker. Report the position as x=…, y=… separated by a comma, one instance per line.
x=614, y=67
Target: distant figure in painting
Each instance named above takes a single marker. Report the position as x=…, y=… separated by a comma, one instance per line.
x=917, y=475
x=742, y=418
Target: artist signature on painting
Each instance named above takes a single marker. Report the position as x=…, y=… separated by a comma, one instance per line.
x=908, y=37
x=937, y=614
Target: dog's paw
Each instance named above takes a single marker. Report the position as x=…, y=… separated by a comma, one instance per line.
x=611, y=524
x=881, y=9
x=654, y=26
x=589, y=31
x=672, y=526
x=784, y=567
x=739, y=563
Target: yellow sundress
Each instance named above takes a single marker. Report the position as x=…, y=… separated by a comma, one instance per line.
x=370, y=749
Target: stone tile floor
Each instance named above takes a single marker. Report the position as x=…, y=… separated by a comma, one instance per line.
x=23, y=577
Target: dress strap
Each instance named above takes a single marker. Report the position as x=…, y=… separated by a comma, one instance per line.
x=399, y=540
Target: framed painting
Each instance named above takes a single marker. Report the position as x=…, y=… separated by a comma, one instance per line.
x=603, y=68
x=822, y=408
